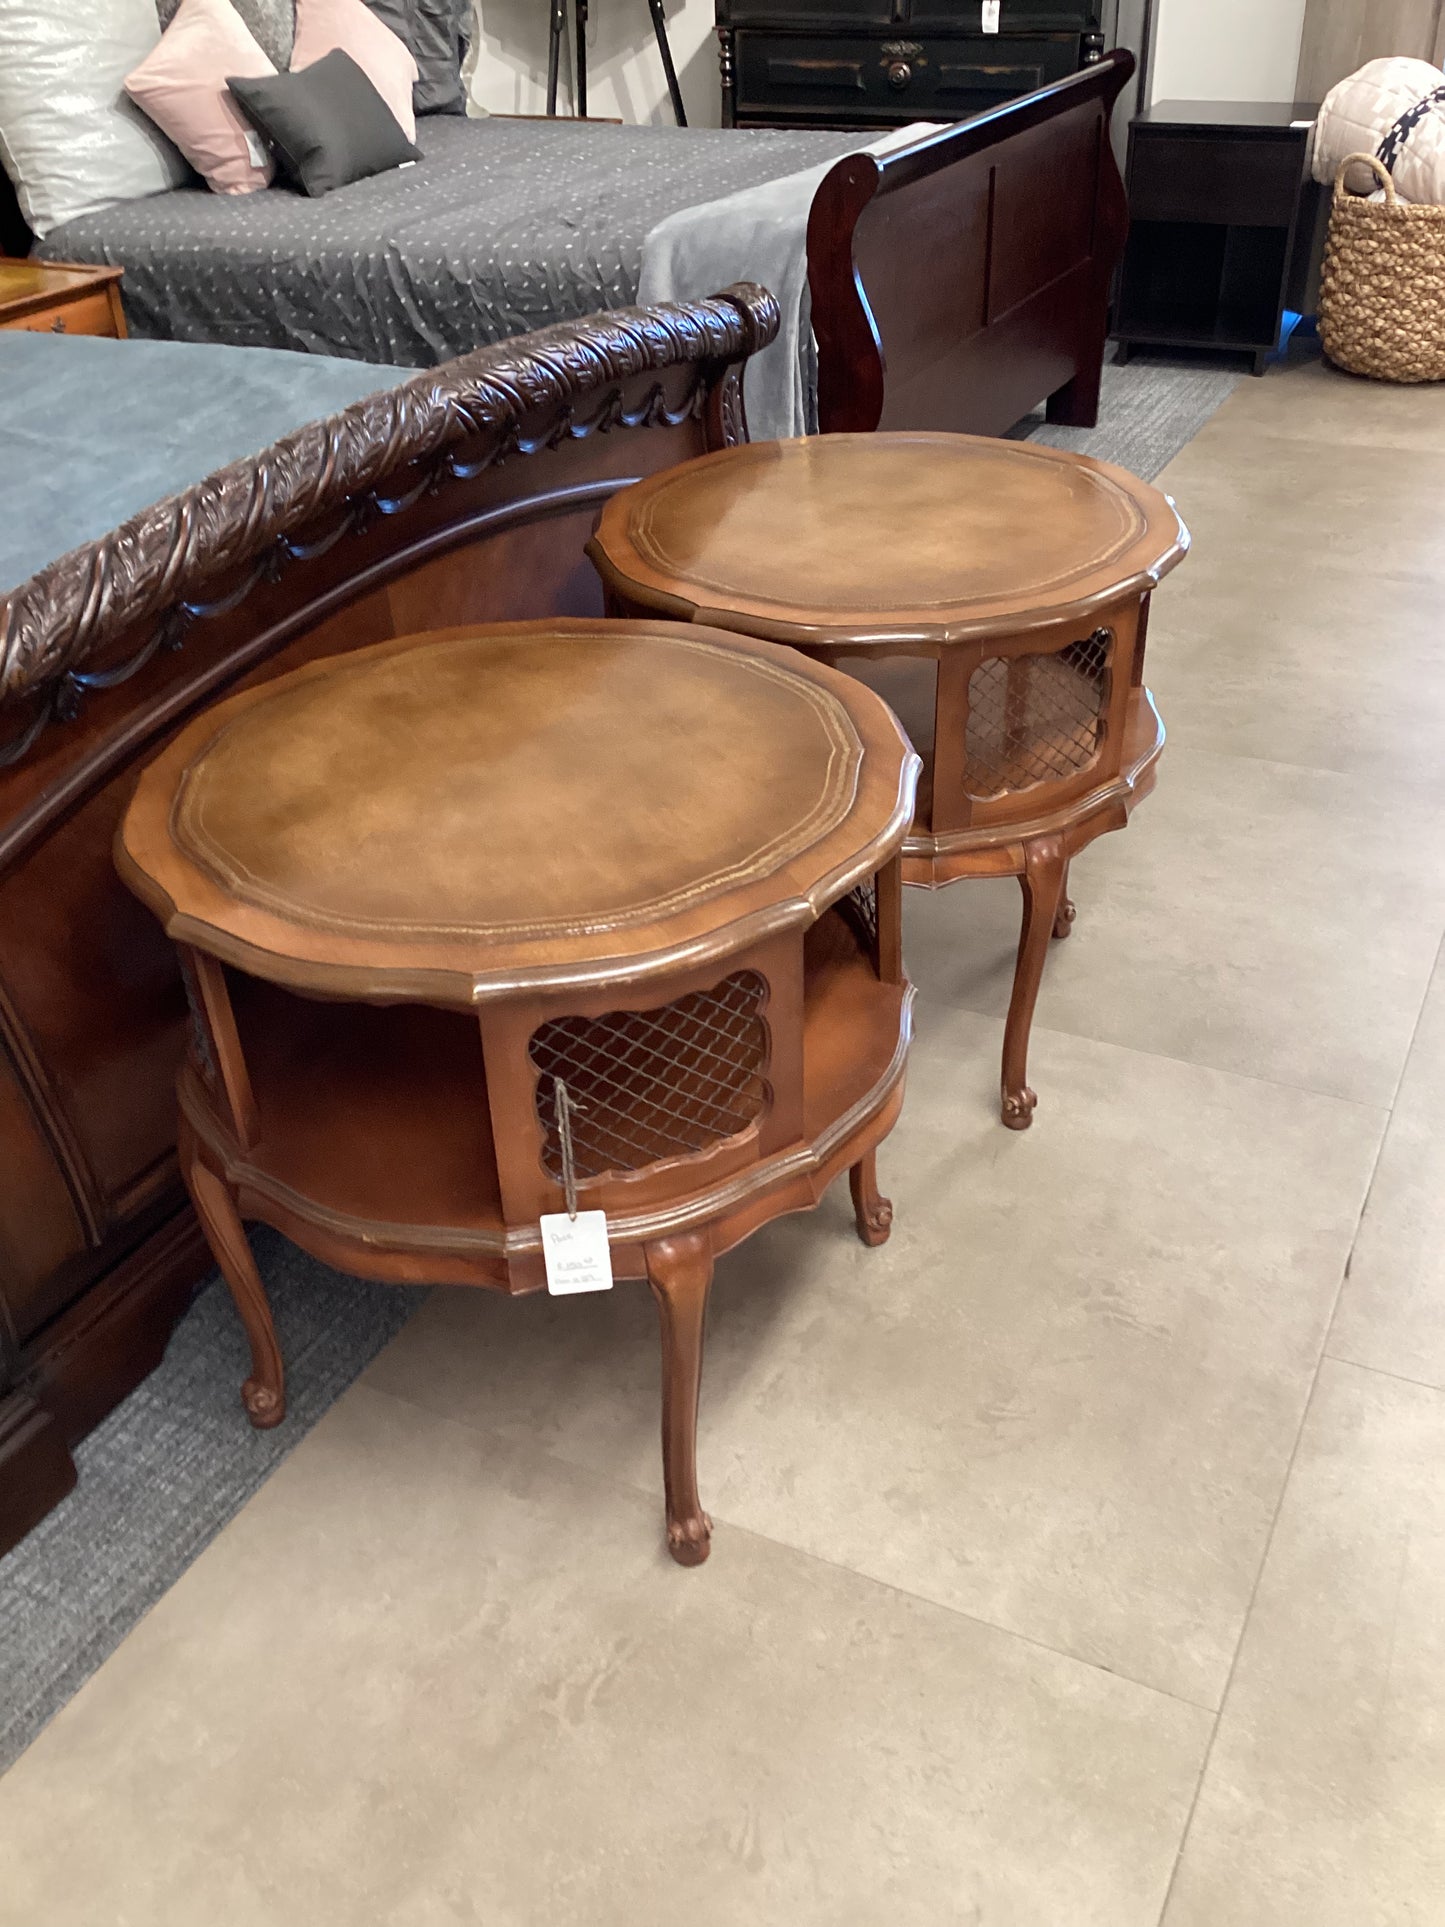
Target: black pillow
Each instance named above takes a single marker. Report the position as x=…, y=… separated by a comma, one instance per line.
x=437, y=33
x=326, y=124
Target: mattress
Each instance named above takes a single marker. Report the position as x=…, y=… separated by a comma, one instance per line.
x=93, y=430
x=501, y=227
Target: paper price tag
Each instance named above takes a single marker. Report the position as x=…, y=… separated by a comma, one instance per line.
x=575, y=1252
x=256, y=148
x=990, y=15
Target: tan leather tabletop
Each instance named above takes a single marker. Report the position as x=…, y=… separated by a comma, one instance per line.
x=495, y=800
x=921, y=536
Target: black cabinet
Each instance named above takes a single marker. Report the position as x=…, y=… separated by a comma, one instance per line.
x=881, y=63
x=1225, y=226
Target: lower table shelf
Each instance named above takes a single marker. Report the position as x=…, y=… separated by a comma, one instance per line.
x=374, y=1123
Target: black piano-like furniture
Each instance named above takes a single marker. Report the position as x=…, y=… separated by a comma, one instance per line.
x=883, y=63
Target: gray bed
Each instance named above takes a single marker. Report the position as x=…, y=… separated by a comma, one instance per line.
x=501, y=227
x=158, y=416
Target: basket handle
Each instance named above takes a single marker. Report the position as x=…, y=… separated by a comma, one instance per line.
x=1371, y=161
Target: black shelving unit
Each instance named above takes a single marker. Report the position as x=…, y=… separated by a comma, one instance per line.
x=882, y=63
x=1226, y=226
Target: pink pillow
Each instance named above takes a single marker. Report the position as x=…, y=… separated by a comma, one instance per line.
x=181, y=85
x=322, y=25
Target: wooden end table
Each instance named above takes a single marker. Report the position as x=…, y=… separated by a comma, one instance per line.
x=463, y=915
x=1017, y=577
x=57, y=298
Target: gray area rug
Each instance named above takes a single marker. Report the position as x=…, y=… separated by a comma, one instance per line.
x=1148, y=410
x=171, y=1466
x=168, y=1469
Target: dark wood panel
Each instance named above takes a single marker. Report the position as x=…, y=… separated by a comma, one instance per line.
x=36, y=1469
x=878, y=63
x=1037, y=239
x=896, y=73
x=1251, y=182
x=1025, y=216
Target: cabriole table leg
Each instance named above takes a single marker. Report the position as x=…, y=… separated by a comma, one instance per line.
x=872, y=1212
x=1043, y=888
x=264, y=1392
x=679, y=1271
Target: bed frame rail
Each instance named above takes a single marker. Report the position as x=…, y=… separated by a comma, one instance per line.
x=959, y=281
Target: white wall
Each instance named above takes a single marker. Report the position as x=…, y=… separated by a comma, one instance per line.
x=1226, y=49
x=1203, y=50
x=624, y=73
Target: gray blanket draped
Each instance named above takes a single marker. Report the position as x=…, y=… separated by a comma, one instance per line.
x=758, y=234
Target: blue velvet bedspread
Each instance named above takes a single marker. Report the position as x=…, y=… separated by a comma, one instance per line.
x=91, y=431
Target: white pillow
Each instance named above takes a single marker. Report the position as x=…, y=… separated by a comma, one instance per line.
x=1360, y=110
x=69, y=139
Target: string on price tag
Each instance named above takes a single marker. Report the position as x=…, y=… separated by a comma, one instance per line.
x=574, y=1243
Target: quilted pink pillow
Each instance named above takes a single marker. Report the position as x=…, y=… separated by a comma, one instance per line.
x=322, y=25
x=181, y=85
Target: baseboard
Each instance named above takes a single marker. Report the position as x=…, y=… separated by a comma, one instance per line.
x=84, y=1364
x=81, y=1367
x=36, y=1469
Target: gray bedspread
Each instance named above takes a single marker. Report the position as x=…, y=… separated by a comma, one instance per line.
x=93, y=431
x=501, y=227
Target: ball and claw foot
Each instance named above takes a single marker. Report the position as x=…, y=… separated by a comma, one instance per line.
x=875, y=1221
x=690, y=1540
x=264, y=1405
x=1064, y=921
x=1017, y=1108
x=872, y=1212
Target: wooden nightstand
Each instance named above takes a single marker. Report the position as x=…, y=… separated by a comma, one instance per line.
x=1226, y=226
x=56, y=298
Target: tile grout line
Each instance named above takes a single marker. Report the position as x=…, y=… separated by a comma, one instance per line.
x=1381, y=1107
x=614, y=1483
x=1382, y=1371
x=1409, y=1051
x=1323, y=1354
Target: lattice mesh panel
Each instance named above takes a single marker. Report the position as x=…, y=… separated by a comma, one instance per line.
x=1037, y=719
x=860, y=907
x=200, y=1029
x=654, y=1084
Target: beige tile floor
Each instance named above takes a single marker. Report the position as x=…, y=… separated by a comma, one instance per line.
x=1080, y=1556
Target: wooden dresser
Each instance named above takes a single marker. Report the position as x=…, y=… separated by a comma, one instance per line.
x=882, y=63
x=52, y=297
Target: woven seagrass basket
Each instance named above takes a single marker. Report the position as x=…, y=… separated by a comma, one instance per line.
x=1382, y=290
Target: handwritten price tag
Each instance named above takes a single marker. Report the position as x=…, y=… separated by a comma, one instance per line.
x=575, y=1252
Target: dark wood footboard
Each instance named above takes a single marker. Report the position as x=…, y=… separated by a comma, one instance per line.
x=959, y=282
x=465, y=494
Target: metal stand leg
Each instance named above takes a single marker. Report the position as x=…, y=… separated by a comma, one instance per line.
x=659, y=27
x=582, y=59
x=554, y=51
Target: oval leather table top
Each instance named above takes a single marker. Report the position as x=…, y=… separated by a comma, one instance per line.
x=886, y=537
x=478, y=809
